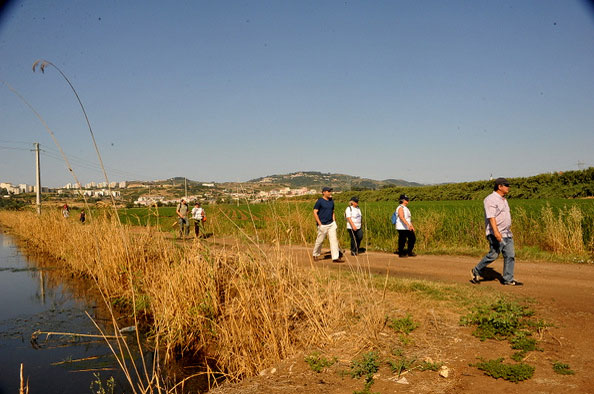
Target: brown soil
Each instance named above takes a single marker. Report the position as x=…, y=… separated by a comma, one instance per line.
x=562, y=294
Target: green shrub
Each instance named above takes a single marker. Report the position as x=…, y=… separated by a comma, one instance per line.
x=512, y=372
x=500, y=320
x=367, y=365
x=562, y=369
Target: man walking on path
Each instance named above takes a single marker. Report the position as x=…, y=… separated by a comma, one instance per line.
x=324, y=214
x=182, y=213
x=499, y=235
x=353, y=218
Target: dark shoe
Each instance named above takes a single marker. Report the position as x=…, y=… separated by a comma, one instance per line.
x=338, y=260
x=476, y=278
x=413, y=254
x=513, y=283
x=402, y=255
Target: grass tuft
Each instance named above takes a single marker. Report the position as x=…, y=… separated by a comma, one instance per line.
x=317, y=362
x=404, y=325
x=562, y=369
x=511, y=372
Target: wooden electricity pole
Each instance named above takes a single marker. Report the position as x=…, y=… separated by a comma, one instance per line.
x=38, y=177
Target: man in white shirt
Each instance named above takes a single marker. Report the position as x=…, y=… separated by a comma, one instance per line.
x=353, y=219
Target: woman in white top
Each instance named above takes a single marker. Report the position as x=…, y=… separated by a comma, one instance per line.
x=406, y=230
x=199, y=216
x=353, y=219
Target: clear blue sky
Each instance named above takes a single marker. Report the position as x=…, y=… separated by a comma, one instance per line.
x=427, y=91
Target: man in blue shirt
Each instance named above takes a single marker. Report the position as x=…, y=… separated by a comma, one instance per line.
x=324, y=214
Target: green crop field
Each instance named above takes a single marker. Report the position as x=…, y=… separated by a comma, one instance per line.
x=561, y=229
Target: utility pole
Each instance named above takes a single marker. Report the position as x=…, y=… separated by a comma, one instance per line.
x=38, y=176
x=186, y=186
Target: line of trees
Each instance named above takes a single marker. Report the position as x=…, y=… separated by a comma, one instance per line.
x=569, y=184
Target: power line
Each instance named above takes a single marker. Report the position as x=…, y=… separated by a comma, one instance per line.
x=90, y=165
x=13, y=148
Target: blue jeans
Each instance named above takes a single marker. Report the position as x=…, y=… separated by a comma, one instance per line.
x=505, y=247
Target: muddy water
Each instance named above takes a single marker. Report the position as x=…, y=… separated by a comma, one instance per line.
x=35, y=297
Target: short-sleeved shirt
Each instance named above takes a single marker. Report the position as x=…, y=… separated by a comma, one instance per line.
x=355, y=215
x=183, y=210
x=197, y=213
x=325, y=210
x=497, y=207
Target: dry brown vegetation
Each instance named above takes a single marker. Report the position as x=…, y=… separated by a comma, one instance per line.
x=239, y=306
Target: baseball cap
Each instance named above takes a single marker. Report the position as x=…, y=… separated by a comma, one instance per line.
x=355, y=199
x=501, y=181
x=404, y=197
x=326, y=189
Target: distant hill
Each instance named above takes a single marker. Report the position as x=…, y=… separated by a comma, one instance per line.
x=317, y=180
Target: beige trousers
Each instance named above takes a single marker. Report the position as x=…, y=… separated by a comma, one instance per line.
x=330, y=231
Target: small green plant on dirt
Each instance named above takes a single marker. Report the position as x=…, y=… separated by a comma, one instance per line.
x=318, y=362
x=523, y=341
x=562, y=369
x=500, y=320
x=366, y=366
x=519, y=356
x=511, y=372
x=404, y=325
x=401, y=365
x=430, y=366
x=97, y=385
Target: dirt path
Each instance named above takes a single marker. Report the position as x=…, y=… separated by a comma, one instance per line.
x=563, y=294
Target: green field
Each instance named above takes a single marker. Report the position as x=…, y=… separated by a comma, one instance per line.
x=559, y=229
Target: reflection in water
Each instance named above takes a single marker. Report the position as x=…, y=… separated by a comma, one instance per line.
x=42, y=287
x=38, y=297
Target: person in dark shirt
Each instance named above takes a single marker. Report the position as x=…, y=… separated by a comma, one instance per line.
x=324, y=214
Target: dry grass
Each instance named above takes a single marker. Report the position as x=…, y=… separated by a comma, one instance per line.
x=241, y=307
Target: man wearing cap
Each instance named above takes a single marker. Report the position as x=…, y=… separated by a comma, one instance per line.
x=406, y=230
x=324, y=214
x=498, y=230
x=182, y=213
x=353, y=219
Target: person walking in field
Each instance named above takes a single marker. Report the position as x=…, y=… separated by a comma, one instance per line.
x=66, y=211
x=199, y=216
x=406, y=230
x=324, y=214
x=82, y=217
x=353, y=219
x=182, y=213
x=498, y=230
